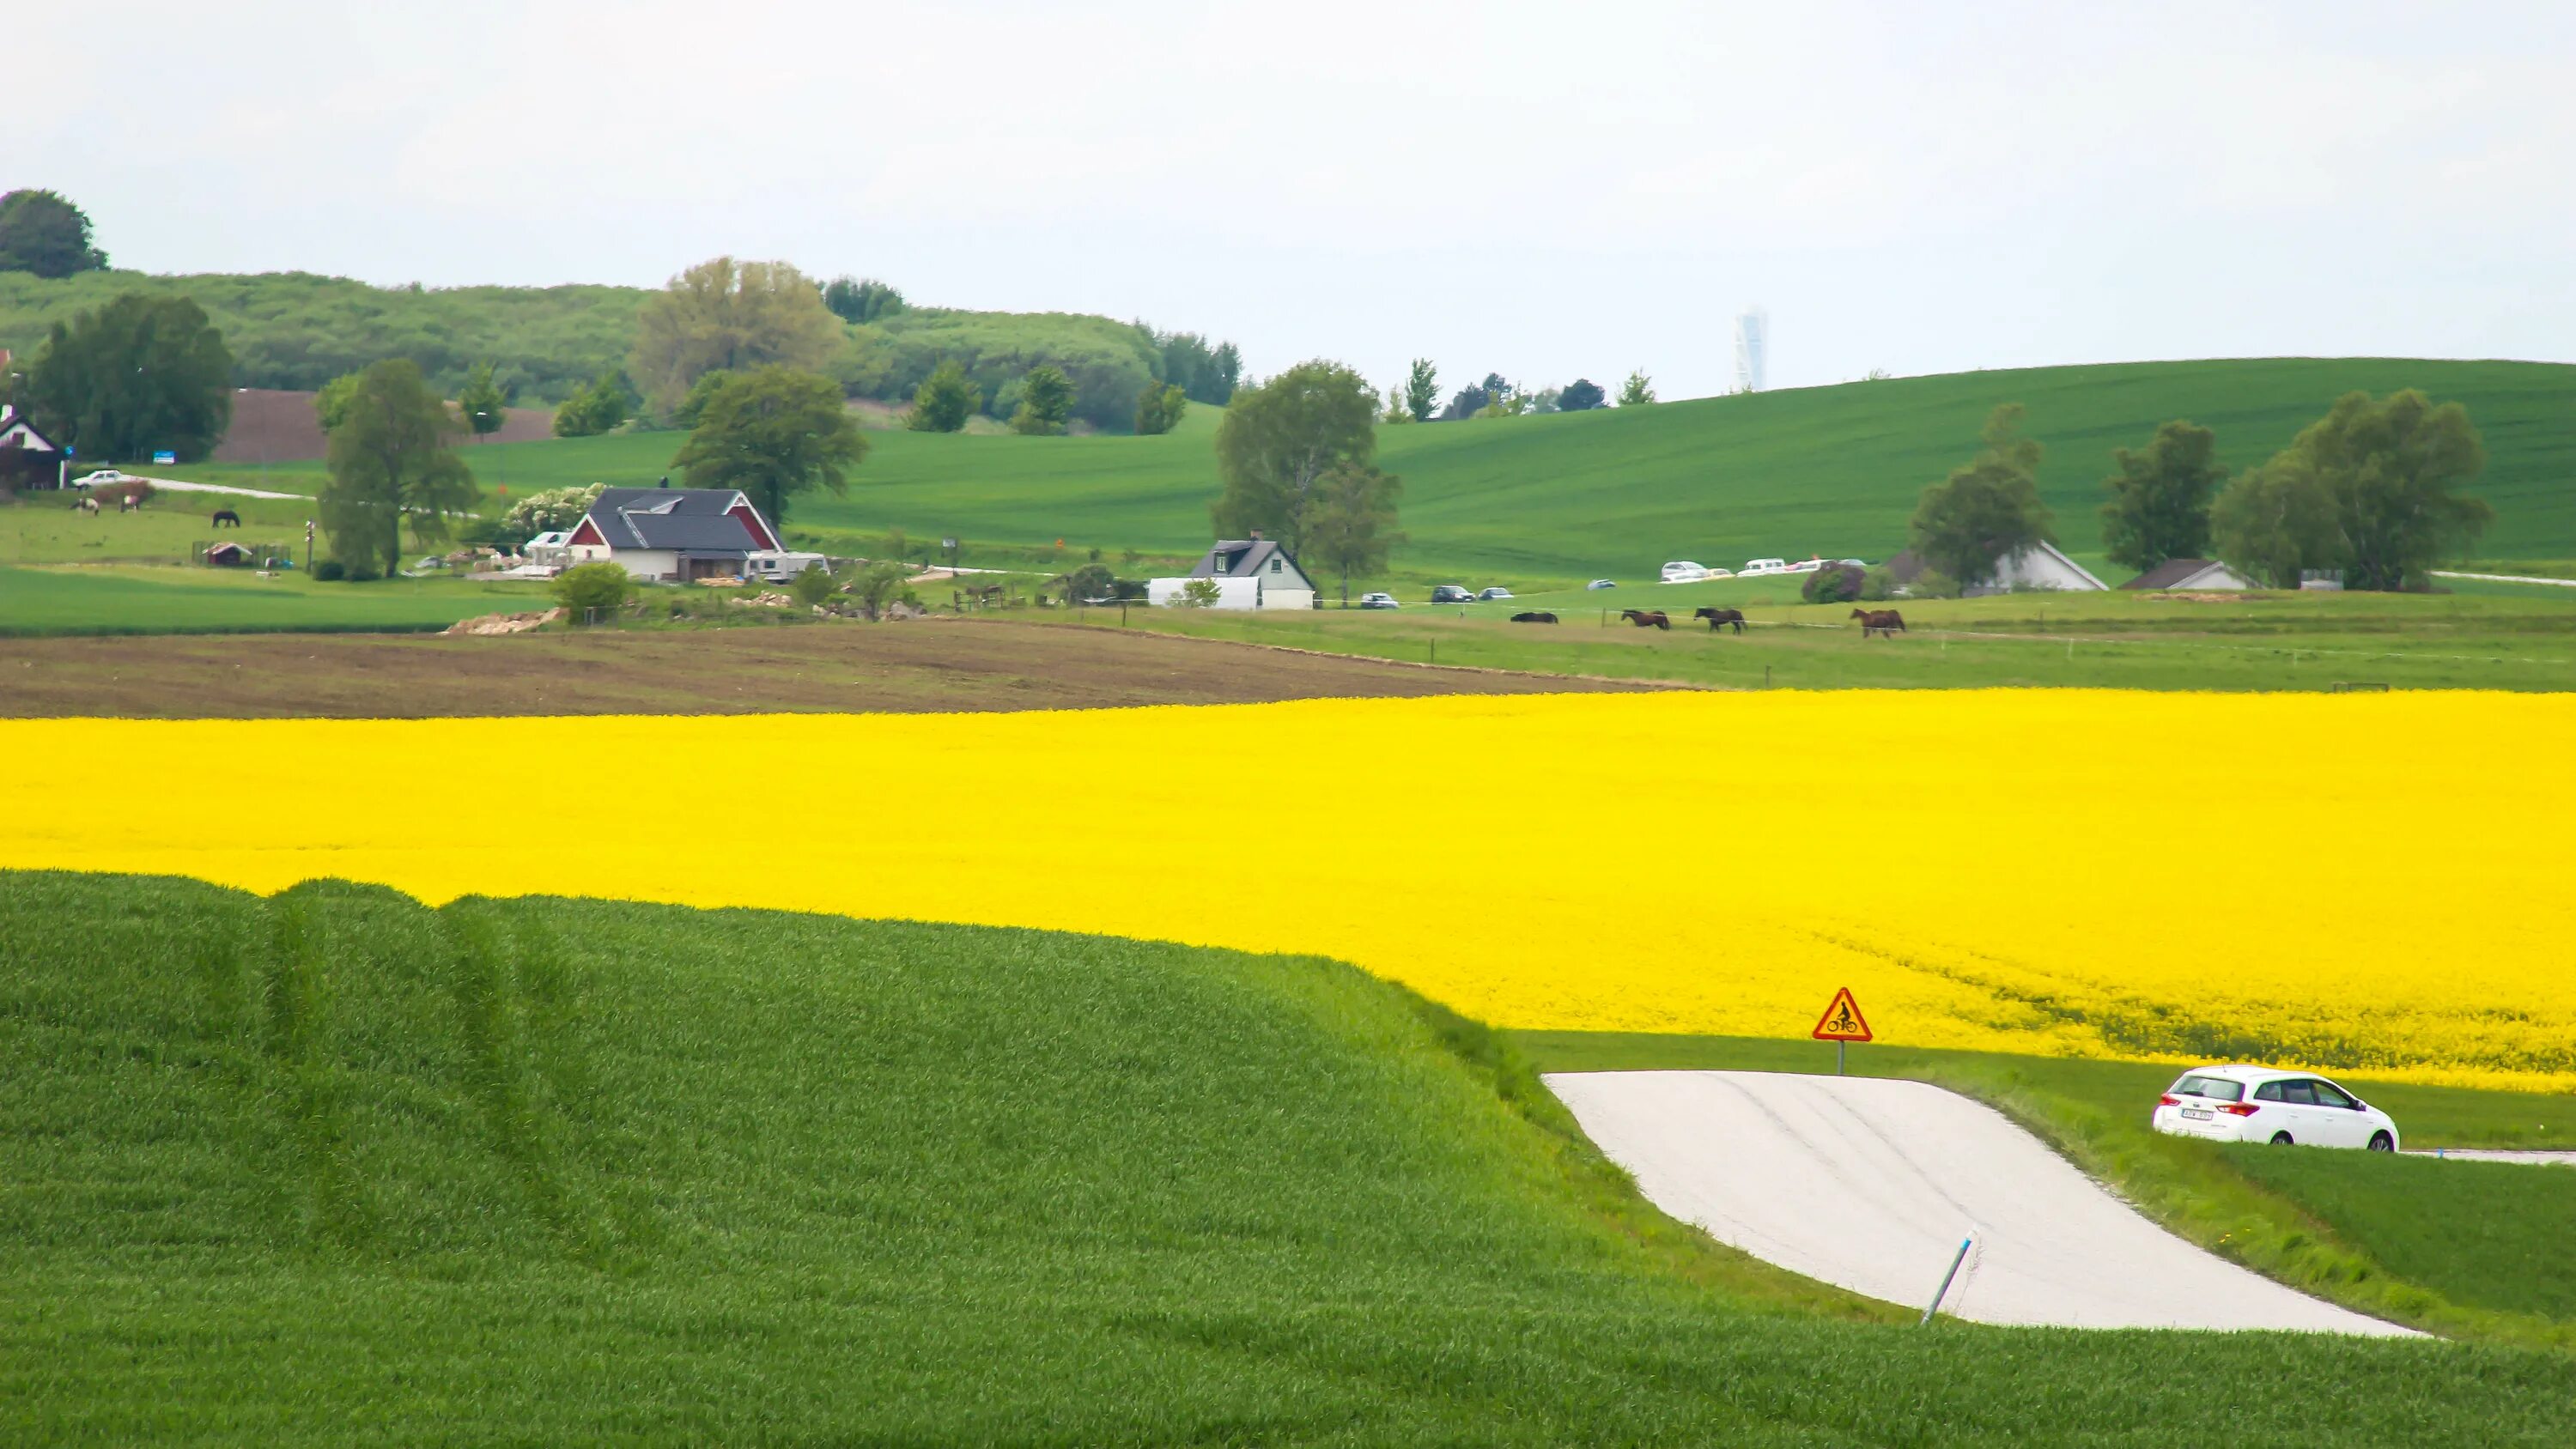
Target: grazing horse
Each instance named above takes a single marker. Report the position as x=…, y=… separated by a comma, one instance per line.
x=1646, y=618
x=226, y=515
x=88, y=506
x=1534, y=616
x=1721, y=618
x=127, y=503
x=1886, y=622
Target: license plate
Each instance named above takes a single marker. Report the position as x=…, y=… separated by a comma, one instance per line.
x=2199, y=1114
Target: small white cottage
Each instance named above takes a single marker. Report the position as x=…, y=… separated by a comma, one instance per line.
x=2178, y=574
x=1250, y=573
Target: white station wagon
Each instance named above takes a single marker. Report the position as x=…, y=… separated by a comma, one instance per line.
x=2259, y=1104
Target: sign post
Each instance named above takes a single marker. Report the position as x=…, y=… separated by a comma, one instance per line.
x=1842, y=1024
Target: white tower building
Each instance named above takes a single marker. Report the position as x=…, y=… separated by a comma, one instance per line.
x=1752, y=349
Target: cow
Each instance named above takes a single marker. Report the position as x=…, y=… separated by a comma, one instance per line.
x=1647, y=618
x=1534, y=616
x=224, y=516
x=1721, y=618
x=88, y=506
x=1887, y=623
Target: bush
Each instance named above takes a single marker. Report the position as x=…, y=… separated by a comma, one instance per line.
x=1878, y=585
x=111, y=494
x=1932, y=584
x=1835, y=583
x=812, y=586
x=585, y=587
x=330, y=571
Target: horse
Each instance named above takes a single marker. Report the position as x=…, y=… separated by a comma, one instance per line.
x=224, y=516
x=127, y=503
x=1721, y=618
x=1886, y=622
x=1534, y=616
x=88, y=506
x=1647, y=618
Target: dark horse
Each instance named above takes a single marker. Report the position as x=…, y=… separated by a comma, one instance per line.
x=1534, y=616
x=1721, y=618
x=1886, y=622
x=226, y=515
x=1646, y=618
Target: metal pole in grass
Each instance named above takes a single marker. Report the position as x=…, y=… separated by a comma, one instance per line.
x=1944, y=1290
x=1842, y=1050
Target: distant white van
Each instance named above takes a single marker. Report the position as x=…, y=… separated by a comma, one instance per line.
x=1683, y=572
x=1756, y=568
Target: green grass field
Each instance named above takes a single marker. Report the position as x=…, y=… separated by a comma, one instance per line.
x=2475, y=1253
x=335, y=1167
x=1556, y=499
x=164, y=600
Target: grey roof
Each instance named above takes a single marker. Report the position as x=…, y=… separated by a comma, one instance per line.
x=691, y=520
x=2171, y=572
x=1245, y=558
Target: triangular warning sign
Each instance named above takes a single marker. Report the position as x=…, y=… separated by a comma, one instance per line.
x=1842, y=1021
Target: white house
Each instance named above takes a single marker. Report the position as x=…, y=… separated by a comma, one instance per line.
x=1250, y=573
x=2039, y=566
x=673, y=535
x=2192, y=573
x=28, y=459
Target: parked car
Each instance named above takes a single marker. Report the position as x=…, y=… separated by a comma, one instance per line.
x=2260, y=1104
x=1683, y=572
x=1487, y=596
x=1379, y=601
x=1451, y=594
x=1756, y=567
x=1602, y=584
x=104, y=476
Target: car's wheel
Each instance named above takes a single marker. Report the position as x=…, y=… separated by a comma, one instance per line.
x=2283, y=1139
x=2382, y=1142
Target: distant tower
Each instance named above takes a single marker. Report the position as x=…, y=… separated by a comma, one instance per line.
x=1752, y=349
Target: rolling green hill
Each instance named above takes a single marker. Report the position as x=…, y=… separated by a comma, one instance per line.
x=335, y=1166
x=1830, y=470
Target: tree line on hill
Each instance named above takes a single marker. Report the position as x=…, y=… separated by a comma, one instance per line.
x=2370, y=492
x=1417, y=398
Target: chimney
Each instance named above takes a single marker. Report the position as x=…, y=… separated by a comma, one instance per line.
x=1256, y=535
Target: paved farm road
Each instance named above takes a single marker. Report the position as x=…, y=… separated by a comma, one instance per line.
x=1871, y=1183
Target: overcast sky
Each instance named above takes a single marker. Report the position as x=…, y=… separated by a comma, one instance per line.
x=1546, y=190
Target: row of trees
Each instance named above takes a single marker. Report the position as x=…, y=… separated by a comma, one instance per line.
x=1417, y=398
x=2370, y=490
x=142, y=373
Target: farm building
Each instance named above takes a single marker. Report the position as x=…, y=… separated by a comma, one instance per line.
x=1250, y=573
x=2192, y=573
x=677, y=535
x=2040, y=566
x=28, y=459
x=230, y=555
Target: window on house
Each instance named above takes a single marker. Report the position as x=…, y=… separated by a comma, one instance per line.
x=1274, y=565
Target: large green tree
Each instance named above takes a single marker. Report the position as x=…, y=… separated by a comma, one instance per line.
x=140, y=374
x=392, y=457
x=1159, y=409
x=1988, y=510
x=2158, y=503
x=42, y=232
x=1279, y=440
x=484, y=403
x=944, y=401
x=1353, y=522
x=724, y=314
x=861, y=299
x=2370, y=488
x=1046, y=400
x=774, y=433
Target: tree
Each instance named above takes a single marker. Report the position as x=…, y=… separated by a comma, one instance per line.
x=1046, y=400
x=812, y=585
x=944, y=401
x=729, y=315
x=1835, y=583
x=1280, y=439
x=1354, y=522
x=332, y=401
x=878, y=585
x=774, y=433
x=43, y=233
x=2158, y=507
x=856, y=299
x=1581, y=395
x=1987, y=510
x=694, y=406
x=483, y=402
x=590, y=589
x=1397, y=414
x=1637, y=391
x=389, y=458
x=139, y=374
x=1091, y=581
x=1204, y=374
x=1472, y=401
x=1197, y=594
x=2368, y=489
x=1422, y=390
x=552, y=511
x=593, y=410
x=1159, y=409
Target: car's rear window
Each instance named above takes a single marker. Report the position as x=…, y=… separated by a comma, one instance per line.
x=2216, y=1088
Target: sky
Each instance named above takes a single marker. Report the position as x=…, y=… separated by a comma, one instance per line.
x=1541, y=190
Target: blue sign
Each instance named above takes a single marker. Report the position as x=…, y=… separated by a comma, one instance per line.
x=165, y=456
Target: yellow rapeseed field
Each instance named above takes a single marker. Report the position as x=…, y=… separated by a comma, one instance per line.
x=2372, y=882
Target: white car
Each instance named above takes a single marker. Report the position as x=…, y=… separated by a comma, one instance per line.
x=103, y=476
x=1602, y=584
x=1379, y=601
x=1683, y=572
x=2260, y=1104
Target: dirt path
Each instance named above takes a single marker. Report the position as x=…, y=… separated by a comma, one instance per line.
x=1872, y=1183
x=924, y=666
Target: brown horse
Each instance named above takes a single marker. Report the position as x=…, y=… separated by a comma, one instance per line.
x=1720, y=618
x=1887, y=623
x=1534, y=616
x=224, y=516
x=1647, y=618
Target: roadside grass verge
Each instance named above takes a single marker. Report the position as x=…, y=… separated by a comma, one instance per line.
x=334, y=1165
x=2373, y=1233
